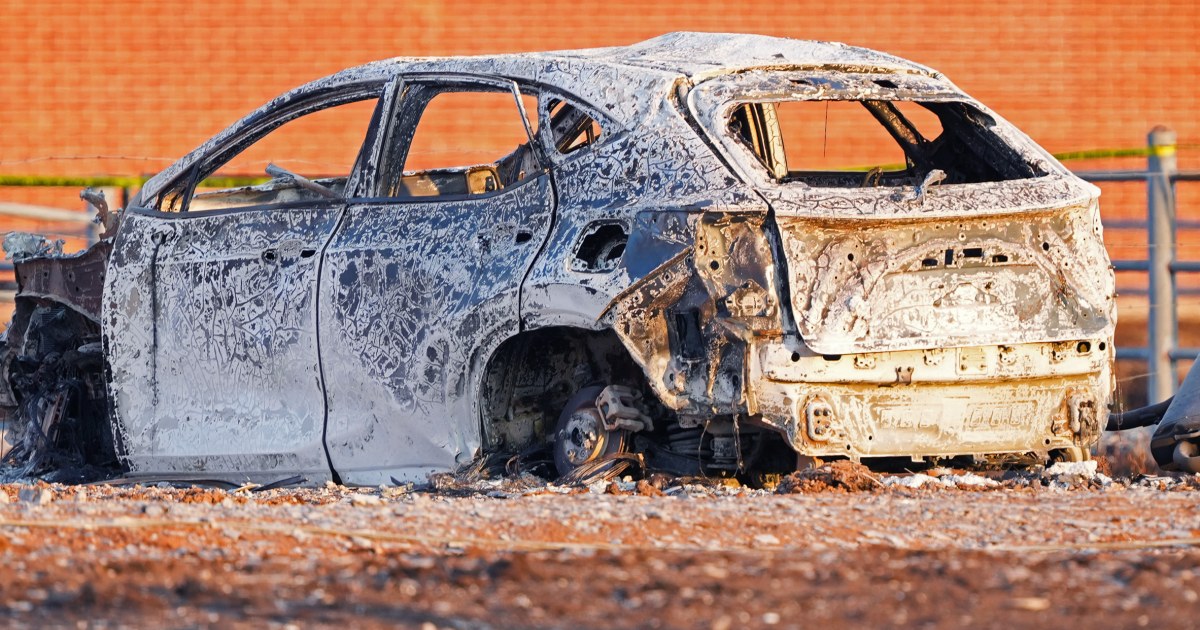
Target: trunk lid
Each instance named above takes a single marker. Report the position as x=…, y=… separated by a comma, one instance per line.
x=958, y=268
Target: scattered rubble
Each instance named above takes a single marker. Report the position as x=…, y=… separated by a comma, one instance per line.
x=839, y=476
x=1071, y=474
x=920, y=480
x=407, y=556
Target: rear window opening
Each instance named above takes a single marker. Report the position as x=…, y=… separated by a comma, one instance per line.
x=876, y=143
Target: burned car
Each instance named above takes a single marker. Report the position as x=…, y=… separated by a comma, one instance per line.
x=648, y=272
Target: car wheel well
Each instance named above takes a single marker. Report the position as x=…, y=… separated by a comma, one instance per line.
x=532, y=375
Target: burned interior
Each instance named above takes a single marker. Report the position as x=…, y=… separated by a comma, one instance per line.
x=660, y=257
x=960, y=145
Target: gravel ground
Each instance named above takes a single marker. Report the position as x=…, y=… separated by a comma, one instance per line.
x=842, y=547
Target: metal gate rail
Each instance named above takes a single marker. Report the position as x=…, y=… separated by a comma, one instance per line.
x=1160, y=176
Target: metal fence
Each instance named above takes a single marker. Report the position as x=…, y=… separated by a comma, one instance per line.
x=1160, y=177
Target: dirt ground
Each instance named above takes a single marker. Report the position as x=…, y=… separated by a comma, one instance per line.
x=835, y=551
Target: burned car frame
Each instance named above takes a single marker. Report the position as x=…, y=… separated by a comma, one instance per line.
x=646, y=272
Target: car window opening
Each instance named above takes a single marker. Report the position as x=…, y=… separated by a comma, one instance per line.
x=461, y=143
x=571, y=128
x=312, y=155
x=850, y=143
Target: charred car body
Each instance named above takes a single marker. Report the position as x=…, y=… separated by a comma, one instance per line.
x=646, y=272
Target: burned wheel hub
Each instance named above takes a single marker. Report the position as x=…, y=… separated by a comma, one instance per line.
x=583, y=437
x=580, y=437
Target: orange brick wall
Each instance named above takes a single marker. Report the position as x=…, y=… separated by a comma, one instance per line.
x=150, y=80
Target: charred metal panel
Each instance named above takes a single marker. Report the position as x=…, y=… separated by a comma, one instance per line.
x=948, y=419
x=705, y=54
x=975, y=400
x=76, y=281
x=690, y=323
x=861, y=286
x=416, y=294
x=210, y=324
x=643, y=180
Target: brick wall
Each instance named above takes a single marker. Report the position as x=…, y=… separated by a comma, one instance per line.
x=152, y=79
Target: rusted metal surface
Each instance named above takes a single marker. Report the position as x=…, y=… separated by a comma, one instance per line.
x=636, y=257
x=76, y=281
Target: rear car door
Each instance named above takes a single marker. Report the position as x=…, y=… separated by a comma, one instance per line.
x=211, y=298
x=422, y=283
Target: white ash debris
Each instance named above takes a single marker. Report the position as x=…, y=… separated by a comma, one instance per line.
x=916, y=480
x=964, y=481
x=1071, y=474
x=365, y=500
x=600, y=486
x=968, y=480
x=1086, y=469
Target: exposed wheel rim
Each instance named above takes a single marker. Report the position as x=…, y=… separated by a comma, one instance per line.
x=583, y=438
x=580, y=437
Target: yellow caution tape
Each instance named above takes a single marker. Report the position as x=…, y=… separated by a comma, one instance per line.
x=1164, y=150
x=1100, y=154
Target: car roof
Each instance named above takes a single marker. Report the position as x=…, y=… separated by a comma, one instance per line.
x=623, y=82
x=698, y=55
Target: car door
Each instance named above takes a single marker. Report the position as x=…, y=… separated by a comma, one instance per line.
x=211, y=298
x=421, y=283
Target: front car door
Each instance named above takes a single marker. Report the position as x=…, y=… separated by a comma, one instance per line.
x=422, y=283
x=211, y=298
